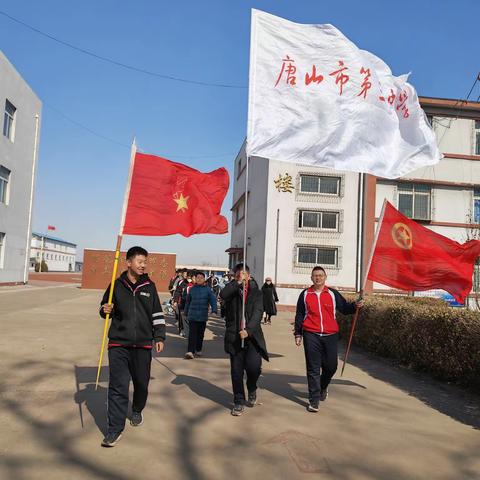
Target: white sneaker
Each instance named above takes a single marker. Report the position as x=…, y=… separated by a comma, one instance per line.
x=198, y=354
x=189, y=356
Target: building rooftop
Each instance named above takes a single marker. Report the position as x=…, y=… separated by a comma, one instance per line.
x=55, y=239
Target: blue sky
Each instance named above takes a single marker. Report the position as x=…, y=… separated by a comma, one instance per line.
x=81, y=177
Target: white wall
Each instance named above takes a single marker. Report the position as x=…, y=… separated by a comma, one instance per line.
x=289, y=235
x=454, y=135
x=17, y=156
x=256, y=214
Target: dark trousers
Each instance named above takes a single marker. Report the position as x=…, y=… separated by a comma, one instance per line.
x=125, y=364
x=320, y=354
x=195, y=336
x=180, y=319
x=246, y=360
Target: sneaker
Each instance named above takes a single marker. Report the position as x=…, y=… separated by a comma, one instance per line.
x=198, y=354
x=252, y=399
x=136, y=419
x=111, y=439
x=237, y=409
x=312, y=407
x=189, y=356
x=323, y=394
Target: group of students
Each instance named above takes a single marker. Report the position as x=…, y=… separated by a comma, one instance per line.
x=138, y=323
x=191, y=296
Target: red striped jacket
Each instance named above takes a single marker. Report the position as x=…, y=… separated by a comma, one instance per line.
x=316, y=311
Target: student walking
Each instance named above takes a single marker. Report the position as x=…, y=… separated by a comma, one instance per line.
x=316, y=325
x=246, y=359
x=137, y=321
x=270, y=297
x=199, y=298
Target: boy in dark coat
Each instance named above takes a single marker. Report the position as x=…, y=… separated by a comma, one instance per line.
x=199, y=298
x=137, y=321
x=249, y=358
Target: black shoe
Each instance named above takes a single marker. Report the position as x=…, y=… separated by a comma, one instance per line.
x=136, y=419
x=237, y=409
x=252, y=399
x=111, y=439
x=313, y=407
x=323, y=394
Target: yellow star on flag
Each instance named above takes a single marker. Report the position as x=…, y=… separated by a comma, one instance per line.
x=181, y=202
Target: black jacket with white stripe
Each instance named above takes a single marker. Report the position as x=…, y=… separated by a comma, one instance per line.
x=137, y=316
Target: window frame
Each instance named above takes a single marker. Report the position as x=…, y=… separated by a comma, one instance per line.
x=476, y=144
x=402, y=190
x=240, y=203
x=317, y=248
x=319, y=214
x=9, y=121
x=319, y=177
x=5, y=190
x=3, y=237
x=476, y=197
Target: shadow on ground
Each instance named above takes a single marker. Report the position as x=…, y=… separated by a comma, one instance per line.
x=441, y=396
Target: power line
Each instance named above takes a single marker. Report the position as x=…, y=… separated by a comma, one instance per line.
x=89, y=130
x=473, y=86
x=116, y=142
x=115, y=62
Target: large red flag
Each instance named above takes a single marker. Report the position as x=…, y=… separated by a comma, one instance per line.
x=166, y=198
x=409, y=256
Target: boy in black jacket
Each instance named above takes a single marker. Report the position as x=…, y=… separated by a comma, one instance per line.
x=246, y=359
x=137, y=320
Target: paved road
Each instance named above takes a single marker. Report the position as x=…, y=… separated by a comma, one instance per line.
x=378, y=423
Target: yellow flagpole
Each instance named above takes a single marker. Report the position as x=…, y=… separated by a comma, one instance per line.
x=117, y=257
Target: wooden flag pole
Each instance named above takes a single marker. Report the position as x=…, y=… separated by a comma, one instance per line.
x=117, y=257
x=354, y=323
x=357, y=310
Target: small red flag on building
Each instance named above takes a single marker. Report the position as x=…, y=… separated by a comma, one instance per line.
x=166, y=198
x=409, y=256
x=51, y=227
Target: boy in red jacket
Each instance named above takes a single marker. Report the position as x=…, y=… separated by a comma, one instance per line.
x=316, y=323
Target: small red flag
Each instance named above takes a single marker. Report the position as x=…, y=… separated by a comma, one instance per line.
x=409, y=256
x=167, y=198
x=51, y=227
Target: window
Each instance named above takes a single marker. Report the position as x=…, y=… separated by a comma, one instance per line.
x=240, y=210
x=4, y=179
x=312, y=255
x=414, y=201
x=476, y=205
x=240, y=167
x=2, y=248
x=320, y=184
x=9, y=120
x=320, y=220
x=477, y=137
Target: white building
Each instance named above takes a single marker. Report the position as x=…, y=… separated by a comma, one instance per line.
x=328, y=217
x=20, y=121
x=58, y=254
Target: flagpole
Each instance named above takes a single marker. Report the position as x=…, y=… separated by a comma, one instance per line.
x=42, y=244
x=117, y=257
x=243, y=322
x=357, y=310
x=30, y=205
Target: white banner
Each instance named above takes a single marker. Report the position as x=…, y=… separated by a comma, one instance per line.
x=317, y=99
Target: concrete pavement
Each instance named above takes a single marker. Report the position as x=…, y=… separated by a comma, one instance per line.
x=379, y=422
